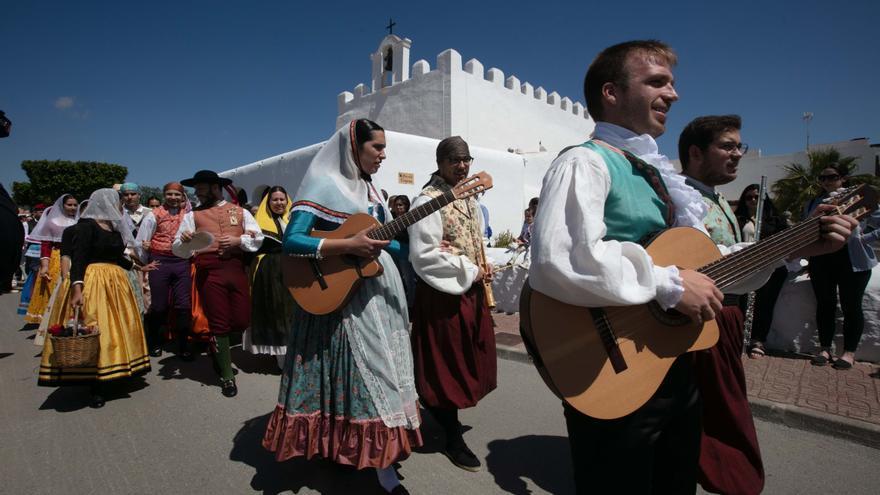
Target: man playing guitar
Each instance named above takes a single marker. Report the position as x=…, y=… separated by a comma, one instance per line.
x=598, y=201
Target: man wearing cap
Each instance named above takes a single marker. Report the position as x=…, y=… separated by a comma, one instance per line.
x=220, y=267
x=134, y=210
x=453, y=338
x=170, y=283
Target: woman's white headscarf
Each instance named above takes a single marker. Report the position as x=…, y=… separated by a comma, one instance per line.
x=105, y=204
x=333, y=188
x=53, y=222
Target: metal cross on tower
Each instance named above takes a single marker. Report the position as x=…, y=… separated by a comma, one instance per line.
x=390, y=26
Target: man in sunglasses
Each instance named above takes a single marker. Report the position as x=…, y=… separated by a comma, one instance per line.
x=453, y=338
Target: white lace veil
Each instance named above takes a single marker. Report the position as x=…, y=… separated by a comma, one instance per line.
x=105, y=204
x=53, y=222
x=332, y=188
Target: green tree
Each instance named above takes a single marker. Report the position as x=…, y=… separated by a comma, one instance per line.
x=49, y=179
x=801, y=182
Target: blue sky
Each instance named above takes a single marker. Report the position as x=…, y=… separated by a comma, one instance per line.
x=167, y=88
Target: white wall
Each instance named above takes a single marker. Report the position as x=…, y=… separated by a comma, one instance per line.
x=412, y=107
x=285, y=170
x=502, y=113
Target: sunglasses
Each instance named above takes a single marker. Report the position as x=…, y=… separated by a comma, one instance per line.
x=829, y=177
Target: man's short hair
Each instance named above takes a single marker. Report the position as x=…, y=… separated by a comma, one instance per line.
x=610, y=66
x=702, y=131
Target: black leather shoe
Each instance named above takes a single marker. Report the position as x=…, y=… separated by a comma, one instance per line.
x=228, y=388
x=156, y=352
x=399, y=490
x=462, y=457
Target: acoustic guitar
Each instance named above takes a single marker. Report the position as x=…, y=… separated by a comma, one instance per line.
x=323, y=286
x=607, y=362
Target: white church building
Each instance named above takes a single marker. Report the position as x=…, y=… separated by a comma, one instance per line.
x=514, y=129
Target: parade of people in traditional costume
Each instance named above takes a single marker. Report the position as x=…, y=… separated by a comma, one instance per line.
x=453, y=336
x=59, y=216
x=221, y=280
x=171, y=282
x=347, y=391
x=101, y=291
x=271, y=303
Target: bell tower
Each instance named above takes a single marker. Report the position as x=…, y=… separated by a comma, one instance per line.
x=390, y=62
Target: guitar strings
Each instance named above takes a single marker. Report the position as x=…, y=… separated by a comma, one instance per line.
x=776, y=247
x=394, y=227
x=728, y=271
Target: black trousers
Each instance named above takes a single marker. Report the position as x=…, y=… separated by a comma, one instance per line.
x=653, y=450
x=765, y=303
x=832, y=277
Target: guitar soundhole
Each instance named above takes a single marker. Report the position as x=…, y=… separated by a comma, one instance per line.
x=670, y=318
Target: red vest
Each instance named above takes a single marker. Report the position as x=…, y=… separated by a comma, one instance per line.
x=166, y=228
x=226, y=219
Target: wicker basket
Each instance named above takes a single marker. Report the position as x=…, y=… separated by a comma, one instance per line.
x=80, y=351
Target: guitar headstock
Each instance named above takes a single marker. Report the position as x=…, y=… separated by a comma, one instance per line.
x=856, y=201
x=473, y=185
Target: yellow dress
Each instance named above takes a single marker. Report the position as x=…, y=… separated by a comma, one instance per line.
x=109, y=304
x=43, y=289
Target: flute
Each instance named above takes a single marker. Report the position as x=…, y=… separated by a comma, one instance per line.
x=487, y=284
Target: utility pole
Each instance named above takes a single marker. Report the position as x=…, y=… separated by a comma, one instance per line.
x=808, y=116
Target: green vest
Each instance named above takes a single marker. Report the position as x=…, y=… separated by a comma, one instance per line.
x=632, y=209
x=720, y=221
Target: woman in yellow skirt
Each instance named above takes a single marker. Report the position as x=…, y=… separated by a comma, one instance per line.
x=100, y=288
x=59, y=216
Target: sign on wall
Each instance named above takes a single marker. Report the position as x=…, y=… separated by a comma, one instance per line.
x=406, y=178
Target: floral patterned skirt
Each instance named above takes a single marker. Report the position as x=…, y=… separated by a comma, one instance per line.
x=324, y=406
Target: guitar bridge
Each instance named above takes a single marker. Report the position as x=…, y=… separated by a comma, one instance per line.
x=609, y=340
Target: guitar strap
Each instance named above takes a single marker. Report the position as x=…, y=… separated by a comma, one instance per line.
x=651, y=175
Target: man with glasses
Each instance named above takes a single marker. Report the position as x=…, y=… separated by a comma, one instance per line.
x=710, y=149
x=452, y=337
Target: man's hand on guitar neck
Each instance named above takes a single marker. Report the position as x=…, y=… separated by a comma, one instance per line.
x=701, y=300
x=835, y=230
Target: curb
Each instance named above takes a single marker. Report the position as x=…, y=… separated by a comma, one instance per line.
x=854, y=430
x=511, y=353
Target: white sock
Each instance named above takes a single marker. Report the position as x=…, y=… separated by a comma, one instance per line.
x=387, y=478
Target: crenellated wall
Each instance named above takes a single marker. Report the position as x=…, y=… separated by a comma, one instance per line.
x=483, y=106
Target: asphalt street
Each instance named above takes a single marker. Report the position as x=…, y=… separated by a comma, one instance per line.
x=172, y=432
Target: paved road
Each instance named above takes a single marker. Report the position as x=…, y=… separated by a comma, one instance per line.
x=172, y=432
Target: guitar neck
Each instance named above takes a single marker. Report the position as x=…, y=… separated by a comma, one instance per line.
x=736, y=267
x=391, y=229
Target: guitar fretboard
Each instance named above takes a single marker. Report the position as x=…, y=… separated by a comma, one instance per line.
x=737, y=267
x=391, y=229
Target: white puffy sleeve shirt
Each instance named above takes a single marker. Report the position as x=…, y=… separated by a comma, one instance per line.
x=443, y=271
x=570, y=260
